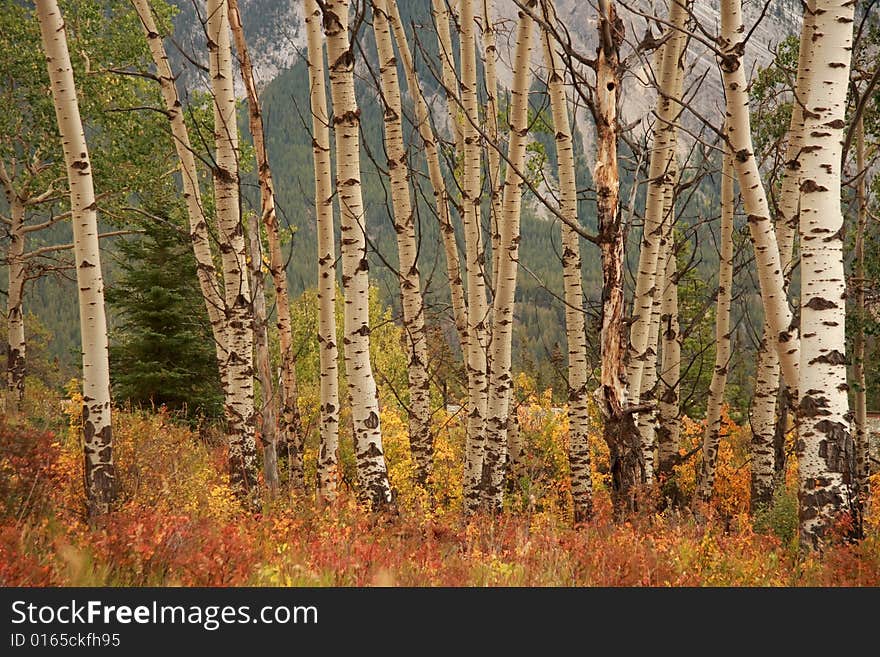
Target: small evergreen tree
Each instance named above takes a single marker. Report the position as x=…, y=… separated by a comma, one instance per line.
x=161, y=350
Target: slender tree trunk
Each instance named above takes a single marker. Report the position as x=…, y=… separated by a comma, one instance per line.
x=789, y=197
x=362, y=391
x=669, y=427
x=269, y=408
x=863, y=470
x=289, y=434
x=490, y=58
x=620, y=431
x=659, y=174
x=420, y=439
x=646, y=421
x=198, y=221
x=767, y=441
x=240, y=415
x=762, y=420
x=669, y=383
x=100, y=474
x=825, y=450
x=508, y=261
x=435, y=174
x=327, y=472
x=441, y=13
x=16, y=346
x=712, y=434
x=578, y=395
x=478, y=309
x=767, y=257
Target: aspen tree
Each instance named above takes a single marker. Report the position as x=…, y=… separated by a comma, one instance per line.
x=101, y=486
x=578, y=395
x=412, y=302
x=493, y=154
x=776, y=310
x=860, y=410
x=289, y=434
x=501, y=380
x=327, y=471
x=362, y=391
x=712, y=433
x=237, y=294
x=478, y=309
x=824, y=449
x=659, y=174
x=764, y=416
x=16, y=346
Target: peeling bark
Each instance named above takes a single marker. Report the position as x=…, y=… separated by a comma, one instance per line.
x=620, y=431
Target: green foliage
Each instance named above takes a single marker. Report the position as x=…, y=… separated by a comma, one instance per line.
x=162, y=352
x=781, y=516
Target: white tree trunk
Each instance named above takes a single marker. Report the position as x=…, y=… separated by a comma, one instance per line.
x=578, y=395
x=669, y=426
x=712, y=434
x=789, y=197
x=763, y=423
x=764, y=415
x=659, y=175
x=478, y=309
x=16, y=346
x=508, y=261
x=493, y=154
x=289, y=434
x=328, y=352
x=646, y=421
x=100, y=474
x=825, y=447
x=237, y=294
x=420, y=439
x=767, y=258
x=860, y=410
x=363, y=394
x=269, y=408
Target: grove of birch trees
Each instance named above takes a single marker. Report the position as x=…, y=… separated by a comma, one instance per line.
x=662, y=147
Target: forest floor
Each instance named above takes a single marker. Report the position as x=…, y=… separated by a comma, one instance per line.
x=179, y=523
